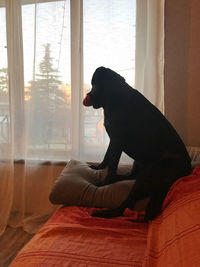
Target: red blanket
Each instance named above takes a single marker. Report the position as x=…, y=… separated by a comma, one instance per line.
x=73, y=238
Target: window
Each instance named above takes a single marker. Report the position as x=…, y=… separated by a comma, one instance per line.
x=59, y=49
x=46, y=42
x=4, y=99
x=108, y=40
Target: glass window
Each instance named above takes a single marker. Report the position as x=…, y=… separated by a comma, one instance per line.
x=4, y=96
x=46, y=41
x=108, y=40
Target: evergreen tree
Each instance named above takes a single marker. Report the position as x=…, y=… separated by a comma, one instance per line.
x=46, y=84
x=46, y=98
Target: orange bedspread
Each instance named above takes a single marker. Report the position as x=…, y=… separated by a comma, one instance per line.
x=73, y=238
x=174, y=237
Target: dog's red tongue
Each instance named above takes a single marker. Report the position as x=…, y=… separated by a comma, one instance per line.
x=87, y=101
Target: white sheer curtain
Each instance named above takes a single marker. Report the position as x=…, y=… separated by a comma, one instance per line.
x=150, y=50
x=53, y=47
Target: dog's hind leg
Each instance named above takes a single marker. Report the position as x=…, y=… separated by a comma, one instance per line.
x=154, y=206
x=136, y=168
x=111, y=213
x=140, y=190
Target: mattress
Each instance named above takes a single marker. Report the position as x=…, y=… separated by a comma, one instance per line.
x=73, y=238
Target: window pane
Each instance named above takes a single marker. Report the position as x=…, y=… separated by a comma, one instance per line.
x=46, y=39
x=4, y=97
x=109, y=40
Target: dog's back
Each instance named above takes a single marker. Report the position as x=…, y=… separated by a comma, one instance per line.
x=141, y=128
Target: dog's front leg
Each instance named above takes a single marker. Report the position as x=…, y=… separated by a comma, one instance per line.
x=115, y=152
x=105, y=161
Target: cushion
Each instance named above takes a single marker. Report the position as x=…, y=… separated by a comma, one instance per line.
x=77, y=185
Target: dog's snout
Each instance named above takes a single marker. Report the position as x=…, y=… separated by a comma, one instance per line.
x=87, y=101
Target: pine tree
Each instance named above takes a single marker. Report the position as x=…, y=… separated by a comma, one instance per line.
x=46, y=97
x=46, y=85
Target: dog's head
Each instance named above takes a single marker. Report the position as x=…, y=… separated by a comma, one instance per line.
x=105, y=82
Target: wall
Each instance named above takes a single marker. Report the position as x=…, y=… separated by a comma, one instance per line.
x=182, y=68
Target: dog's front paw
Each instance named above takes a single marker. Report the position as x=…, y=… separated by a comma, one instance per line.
x=100, y=166
x=94, y=167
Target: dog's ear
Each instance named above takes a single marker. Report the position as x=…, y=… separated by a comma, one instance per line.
x=105, y=75
x=99, y=76
x=114, y=77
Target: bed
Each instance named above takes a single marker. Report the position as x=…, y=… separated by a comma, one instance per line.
x=71, y=237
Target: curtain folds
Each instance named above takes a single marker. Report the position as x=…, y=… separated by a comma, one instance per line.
x=6, y=193
x=50, y=63
x=32, y=184
x=76, y=76
x=150, y=50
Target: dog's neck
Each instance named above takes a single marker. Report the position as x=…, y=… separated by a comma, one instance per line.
x=113, y=102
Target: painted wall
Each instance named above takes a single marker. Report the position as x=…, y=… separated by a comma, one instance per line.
x=182, y=68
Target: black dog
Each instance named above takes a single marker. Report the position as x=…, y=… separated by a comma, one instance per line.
x=138, y=128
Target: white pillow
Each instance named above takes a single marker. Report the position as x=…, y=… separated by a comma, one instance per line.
x=78, y=185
